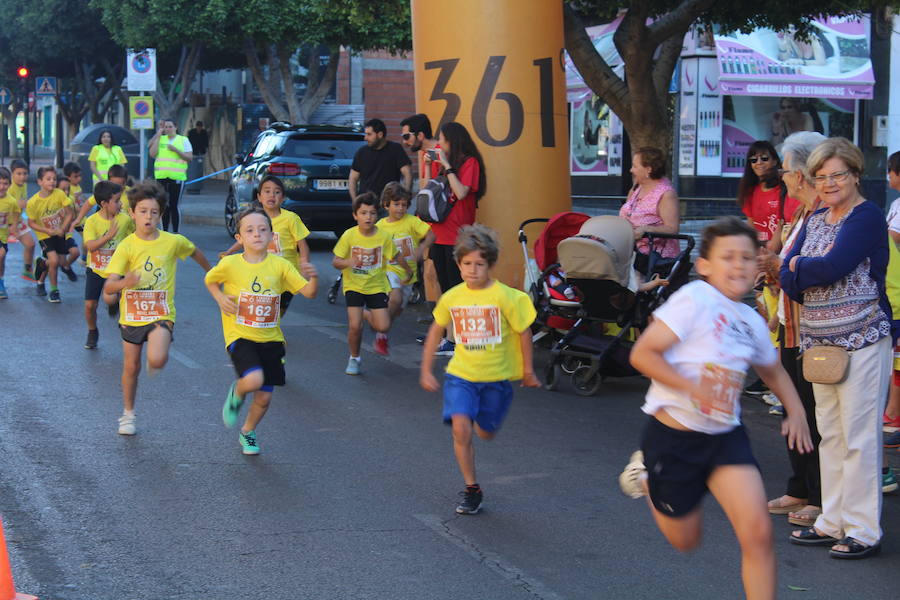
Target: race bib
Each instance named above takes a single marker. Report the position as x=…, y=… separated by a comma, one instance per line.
x=258, y=310
x=145, y=306
x=726, y=386
x=53, y=221
x=100, y=258
x=476, y=325
x=364, y=260
x=274, y=246
x=405, y=250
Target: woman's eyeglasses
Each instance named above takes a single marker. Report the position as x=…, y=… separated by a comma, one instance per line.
x=839, y=177
x=754, y=159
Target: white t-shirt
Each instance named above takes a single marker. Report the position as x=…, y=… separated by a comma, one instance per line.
x=893, y=216
x=718, y=340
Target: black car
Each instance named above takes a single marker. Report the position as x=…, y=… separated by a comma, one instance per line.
x=313, y=161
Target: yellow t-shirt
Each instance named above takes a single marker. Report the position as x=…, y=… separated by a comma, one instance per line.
x=16, y=191
x=50, y=211
x=153, y=299
x=370, y=254
x=9, y=213
x=486, y=324
x=93, y=201
x=95, y=226
x=407, y=233
x=257, y=289
x=288, y=229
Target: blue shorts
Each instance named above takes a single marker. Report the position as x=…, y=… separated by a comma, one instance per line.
x=486, y=403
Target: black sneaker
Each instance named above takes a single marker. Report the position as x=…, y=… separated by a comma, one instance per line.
x=69, y=273
x=54, y=297
x=420, y=339
x=471, y=500
x=41, y=289
x=757, y=388
x=40, y=267
x=93, y=336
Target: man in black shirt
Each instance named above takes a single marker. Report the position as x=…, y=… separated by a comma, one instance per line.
x=378, y=162
x=199, y=139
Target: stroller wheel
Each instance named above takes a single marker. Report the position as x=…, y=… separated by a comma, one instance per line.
x=585, y=384
x=551, y=377
x=570, y=364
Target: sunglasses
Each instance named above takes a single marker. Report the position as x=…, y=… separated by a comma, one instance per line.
x=406, y=135
x=754, y=159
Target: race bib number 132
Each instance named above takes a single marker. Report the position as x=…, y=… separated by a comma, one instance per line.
x=476, y=325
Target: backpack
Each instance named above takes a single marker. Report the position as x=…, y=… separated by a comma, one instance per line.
x=433, y=203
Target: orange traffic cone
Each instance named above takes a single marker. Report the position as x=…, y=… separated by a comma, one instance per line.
x=7, y=587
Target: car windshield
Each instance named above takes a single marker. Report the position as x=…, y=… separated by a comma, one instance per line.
x=325, y=148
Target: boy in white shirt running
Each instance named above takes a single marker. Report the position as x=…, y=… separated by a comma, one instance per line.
x=696, y=352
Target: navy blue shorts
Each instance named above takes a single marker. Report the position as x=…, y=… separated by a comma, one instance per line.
x=247, y=356
x=679, y=463
x=93, y=285
x=486, y=403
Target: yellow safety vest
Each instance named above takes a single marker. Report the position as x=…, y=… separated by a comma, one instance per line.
x=169, y=165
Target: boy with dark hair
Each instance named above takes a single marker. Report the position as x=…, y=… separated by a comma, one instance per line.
x=9, y=218
x=17, y=189
x=49, y=215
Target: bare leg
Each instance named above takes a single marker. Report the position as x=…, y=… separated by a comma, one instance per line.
x=463, y=448
x=378, y=319
x=52, y=268
x=257, y=410
x=158, y=342
x=131, y=368
x=354, y=329
x=395, y=303
x=90, y=313
x=27, y=241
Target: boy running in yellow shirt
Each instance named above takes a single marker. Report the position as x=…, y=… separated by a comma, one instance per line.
x=49, y=215
x=289, y=233
x=116, y=174
x=141, y=277
x=9, y=218
x=361, y=254
x=103, y=231
x=248, y=288
x=412, y=237
x=21, y=232
x=66, y=260
x=492, y=324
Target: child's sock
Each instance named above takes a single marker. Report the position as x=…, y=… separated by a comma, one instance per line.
x=53, y=288
x=128, y=413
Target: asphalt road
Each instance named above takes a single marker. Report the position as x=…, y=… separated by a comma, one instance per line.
x=353, y=495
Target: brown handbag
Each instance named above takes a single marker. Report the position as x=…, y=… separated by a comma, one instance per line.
x=826, y=364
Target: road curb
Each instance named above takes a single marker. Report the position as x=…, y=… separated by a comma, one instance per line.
x=203, y=220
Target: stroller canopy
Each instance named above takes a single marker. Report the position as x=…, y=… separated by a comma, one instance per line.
x=602, y=249
x=560, y=226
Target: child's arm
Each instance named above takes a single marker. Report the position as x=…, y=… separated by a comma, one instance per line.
x=424, y=245
x=341, y=263
x=303, y=251
x=312, y=276
x=198, y=256
x=231, y=250
x=647, y=357
x=655, y=282
x=101, y=241
x=426, y=378
x=82, y=213
x=528, y=377
x=408, y=274
x=226, y=303
x=794, y=425
x=35, y=225
x=68, y=219
x=115, y=283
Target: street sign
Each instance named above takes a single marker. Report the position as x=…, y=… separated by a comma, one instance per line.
x=141, y=112
x=141, y=70
x=45, y=86
x=5, y=96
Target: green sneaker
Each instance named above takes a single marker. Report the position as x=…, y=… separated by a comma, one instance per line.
x=248, y=442
x=888, y=481
x=232, y=406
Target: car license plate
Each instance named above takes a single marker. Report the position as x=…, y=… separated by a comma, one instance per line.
x=332, y=184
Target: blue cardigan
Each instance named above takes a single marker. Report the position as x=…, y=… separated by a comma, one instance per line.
x=863, y=235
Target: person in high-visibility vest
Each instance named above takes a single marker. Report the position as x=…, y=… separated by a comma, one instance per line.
x=171, y=153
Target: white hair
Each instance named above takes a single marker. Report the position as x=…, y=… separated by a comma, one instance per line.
x=799, y=146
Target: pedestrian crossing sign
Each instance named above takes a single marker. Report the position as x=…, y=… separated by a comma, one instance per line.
x=45, y=86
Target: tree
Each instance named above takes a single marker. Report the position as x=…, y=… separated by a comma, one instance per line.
x=650, y=50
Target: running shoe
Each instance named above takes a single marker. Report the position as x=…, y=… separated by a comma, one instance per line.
x=54, y=297
x=757, y=388
x=892, y=440
x=888, y=481
x=126, y=425
x=381, y=344
x=232, y=406
x=446, y=348
x=890, y=425
x=69, y=273
x=777, y=410
x=40, y=267
x=352, y=366
x=41, y=289
x=771, y=399
x=248, y=442
x=420, y=339
x=3, y=294
x=27, y=275
x=92, y=338
x=631, y=481
x=471, y=500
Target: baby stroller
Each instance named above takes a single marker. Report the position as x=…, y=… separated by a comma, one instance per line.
x=556, y=302
x=599, y=262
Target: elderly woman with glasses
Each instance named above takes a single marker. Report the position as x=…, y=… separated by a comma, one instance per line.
x=836, y=270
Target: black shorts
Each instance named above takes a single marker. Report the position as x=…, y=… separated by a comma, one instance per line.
x=248, y=356
x=379, y=300
x=286, y=298
x=54, y=243
x=93, y=285
x=70, y=243
x=679, y=463
x=137, y=334
x=3, y=246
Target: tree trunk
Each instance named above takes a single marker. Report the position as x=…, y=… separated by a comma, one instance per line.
x=9, y=113
x=168, y=102
x=269, y=87
x=317, y=89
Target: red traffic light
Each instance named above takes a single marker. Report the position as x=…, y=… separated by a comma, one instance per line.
x=22, y=72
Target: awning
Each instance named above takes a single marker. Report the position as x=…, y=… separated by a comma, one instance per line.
x=833, y=63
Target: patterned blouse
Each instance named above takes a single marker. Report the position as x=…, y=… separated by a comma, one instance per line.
x=643, y=211
x=845, y=313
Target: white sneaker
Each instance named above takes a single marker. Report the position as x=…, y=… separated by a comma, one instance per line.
x=631, y=481
x=126, y=425
x=771, y=399
x=352, y=366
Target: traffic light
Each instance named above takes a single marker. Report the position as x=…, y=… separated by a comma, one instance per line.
x=22, y=72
